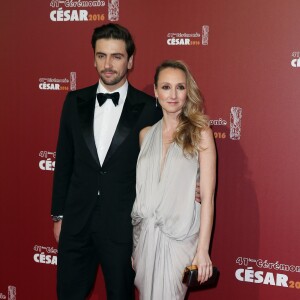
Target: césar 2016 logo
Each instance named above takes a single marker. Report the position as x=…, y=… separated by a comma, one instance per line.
x=76, y=14
x=295, y=62
x=45, y=255
x=47, y=164
x=249, y=274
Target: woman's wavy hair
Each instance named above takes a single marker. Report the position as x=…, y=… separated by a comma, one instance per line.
x=192, y=119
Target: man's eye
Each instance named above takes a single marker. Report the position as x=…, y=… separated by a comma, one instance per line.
x=118, y=57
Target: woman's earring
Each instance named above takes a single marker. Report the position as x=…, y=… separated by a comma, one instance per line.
x=156, y=102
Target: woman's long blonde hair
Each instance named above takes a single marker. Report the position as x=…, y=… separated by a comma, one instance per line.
x=192, y=119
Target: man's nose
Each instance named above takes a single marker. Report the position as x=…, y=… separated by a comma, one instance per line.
x=108, y=61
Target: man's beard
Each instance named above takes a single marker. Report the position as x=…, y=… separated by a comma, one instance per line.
x=112, y=81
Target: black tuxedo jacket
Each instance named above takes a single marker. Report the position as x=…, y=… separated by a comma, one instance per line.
x=78, y=174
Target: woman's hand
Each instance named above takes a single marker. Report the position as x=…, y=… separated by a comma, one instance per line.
x=204, y=264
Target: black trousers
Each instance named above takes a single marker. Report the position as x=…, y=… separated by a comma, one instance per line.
x=78, y=260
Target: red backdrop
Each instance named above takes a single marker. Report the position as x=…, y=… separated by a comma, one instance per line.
x=245, y=57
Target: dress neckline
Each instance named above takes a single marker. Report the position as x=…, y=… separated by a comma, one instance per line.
x=162, y=159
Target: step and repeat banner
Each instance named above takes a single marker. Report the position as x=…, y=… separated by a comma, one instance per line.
x=245, y=56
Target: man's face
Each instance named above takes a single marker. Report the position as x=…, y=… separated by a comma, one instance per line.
x=112, y=63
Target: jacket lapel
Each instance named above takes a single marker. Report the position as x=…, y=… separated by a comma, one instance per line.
x=86, y=108
x=129, y=117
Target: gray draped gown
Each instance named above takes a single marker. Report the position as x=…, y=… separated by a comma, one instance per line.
x=165, y=217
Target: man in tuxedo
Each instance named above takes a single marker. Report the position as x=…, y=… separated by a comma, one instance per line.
x=94, y=179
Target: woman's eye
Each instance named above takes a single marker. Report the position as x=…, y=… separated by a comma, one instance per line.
x=165, y=87
x=181, y=87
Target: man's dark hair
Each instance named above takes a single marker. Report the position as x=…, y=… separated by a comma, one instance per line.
x=116, y=32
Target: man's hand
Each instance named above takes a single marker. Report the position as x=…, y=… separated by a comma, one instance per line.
x=197, y=193
x=56, y=229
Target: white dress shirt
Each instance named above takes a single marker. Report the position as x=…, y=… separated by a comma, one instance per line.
x=106, y=118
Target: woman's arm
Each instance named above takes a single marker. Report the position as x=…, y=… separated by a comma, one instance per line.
x=207, y=162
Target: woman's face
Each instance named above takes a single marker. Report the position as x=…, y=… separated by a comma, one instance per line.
x=171, y=90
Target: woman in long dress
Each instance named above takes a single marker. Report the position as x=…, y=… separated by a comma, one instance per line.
x=172, y=230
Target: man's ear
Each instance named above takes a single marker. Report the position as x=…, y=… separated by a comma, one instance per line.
x=130, y=62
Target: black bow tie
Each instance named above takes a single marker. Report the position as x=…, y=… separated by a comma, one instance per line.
x=103, y=97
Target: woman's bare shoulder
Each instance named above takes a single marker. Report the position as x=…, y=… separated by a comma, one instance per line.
x=143, y=133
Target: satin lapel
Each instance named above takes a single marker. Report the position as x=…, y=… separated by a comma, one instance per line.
x=129, y=117
x=86, y=108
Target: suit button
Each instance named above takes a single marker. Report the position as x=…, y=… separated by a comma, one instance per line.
x=103, y=172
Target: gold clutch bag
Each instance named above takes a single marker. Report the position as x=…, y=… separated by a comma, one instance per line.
x=190, y=277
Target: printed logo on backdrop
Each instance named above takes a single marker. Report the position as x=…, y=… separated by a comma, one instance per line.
x=235, y=121
x=48, y=160
x=11, y=293
x=295, y=62
x=45, y=255
x=84, y=11
x=259, y=271
x=189, y=39
x=58, y=84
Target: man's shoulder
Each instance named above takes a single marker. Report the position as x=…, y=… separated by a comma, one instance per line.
x=151, y=112
x=81, y=95
x=139, y=95
x=85, y=91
